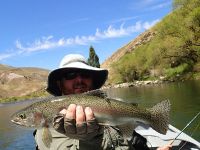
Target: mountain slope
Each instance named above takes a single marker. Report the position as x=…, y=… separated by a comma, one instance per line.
x=128, y=48
x=17, y=82
x=172, y=51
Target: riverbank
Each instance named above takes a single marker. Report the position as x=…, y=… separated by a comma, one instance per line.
x=136, y=83
x=157, y=81
x=35, y=95
x=44, y=94
x=107, y=86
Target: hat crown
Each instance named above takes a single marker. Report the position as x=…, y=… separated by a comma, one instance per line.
x=67, y=59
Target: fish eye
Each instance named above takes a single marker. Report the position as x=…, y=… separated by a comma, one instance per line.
x=22, y=116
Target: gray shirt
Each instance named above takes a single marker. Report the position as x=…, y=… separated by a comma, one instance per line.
x=109, y=139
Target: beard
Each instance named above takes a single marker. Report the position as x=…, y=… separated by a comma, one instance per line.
x=75, y=87
x=80, y=88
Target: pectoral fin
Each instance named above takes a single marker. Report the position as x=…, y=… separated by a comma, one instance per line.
x=46, y=136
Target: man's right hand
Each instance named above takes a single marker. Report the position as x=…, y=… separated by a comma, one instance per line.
x=77, y=122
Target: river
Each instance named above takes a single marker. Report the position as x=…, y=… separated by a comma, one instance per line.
x=184, y=98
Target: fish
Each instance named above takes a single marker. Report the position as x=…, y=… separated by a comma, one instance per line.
x=108, y=111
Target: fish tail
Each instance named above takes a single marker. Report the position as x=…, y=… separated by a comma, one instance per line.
x=160, y=116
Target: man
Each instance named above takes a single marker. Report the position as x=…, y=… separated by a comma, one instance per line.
x=75, y=126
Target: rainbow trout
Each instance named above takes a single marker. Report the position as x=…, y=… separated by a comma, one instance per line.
x=107, y=111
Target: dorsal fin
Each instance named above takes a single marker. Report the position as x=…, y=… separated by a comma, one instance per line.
x=103, y=94
x=98, y=93
x=121, y=100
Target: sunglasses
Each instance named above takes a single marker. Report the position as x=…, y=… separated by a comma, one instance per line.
x=73, y=75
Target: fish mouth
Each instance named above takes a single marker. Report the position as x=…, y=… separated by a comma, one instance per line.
x=17, y=122
x=21, y=122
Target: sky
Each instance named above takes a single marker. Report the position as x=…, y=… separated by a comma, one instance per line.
x=39, y=33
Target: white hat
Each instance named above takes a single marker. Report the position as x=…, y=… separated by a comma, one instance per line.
x=75, y=62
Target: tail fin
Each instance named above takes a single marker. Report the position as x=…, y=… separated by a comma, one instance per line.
x=160, y=116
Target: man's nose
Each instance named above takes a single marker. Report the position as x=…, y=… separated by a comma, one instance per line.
x=79, y=78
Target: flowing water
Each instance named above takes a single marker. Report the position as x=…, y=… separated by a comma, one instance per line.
x=184, y=97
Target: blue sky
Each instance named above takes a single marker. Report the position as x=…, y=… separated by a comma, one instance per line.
x=38, y=33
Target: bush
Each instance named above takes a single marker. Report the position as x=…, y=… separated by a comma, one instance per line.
x=174, y=49
x=175, y=72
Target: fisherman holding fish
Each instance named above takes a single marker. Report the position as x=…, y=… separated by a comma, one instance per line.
x=74, y=76
x=88, y=124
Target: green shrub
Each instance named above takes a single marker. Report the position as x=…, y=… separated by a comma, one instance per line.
x=174, y=49
x=174, y=72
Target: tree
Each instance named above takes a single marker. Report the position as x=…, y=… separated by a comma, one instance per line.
x=93, y=59
x=179, y=3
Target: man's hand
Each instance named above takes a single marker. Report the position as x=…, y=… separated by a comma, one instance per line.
x=77, y=123
x=166, y=147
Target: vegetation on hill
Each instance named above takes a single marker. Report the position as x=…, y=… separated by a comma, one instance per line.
x=173, y=53
x=37, y=94
x=168, y=51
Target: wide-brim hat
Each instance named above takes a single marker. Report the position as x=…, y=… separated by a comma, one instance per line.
x=74, y=62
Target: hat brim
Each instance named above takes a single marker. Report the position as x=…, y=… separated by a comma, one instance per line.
x=99, y=74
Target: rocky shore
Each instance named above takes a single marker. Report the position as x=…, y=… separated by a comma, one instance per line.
x=135, y=83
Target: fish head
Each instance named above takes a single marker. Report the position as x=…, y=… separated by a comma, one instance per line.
x=28, y=118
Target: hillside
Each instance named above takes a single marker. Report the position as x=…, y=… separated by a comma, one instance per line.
x=141, y=39
x=21, y=82
x=169, y=51
x=128, y=48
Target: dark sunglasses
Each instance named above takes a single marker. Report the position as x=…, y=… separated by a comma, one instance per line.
x=73, y=75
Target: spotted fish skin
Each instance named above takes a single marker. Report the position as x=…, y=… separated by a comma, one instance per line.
x=107, y=111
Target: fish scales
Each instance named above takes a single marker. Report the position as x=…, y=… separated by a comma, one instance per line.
x=107, y=112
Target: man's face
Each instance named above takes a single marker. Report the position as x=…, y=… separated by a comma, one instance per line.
x=75, y=82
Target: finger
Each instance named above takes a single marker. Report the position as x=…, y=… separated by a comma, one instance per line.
x=81, y=126
x=89, y=113
x=92, y=125
x=69, y=120
x=166, y=147
x=71, y=112
x=69, y=126
x=61, y=108
x=80, y=115
x=58, y=123
x=63, y=111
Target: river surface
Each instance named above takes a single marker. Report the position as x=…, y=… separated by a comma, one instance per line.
x=184, y=98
